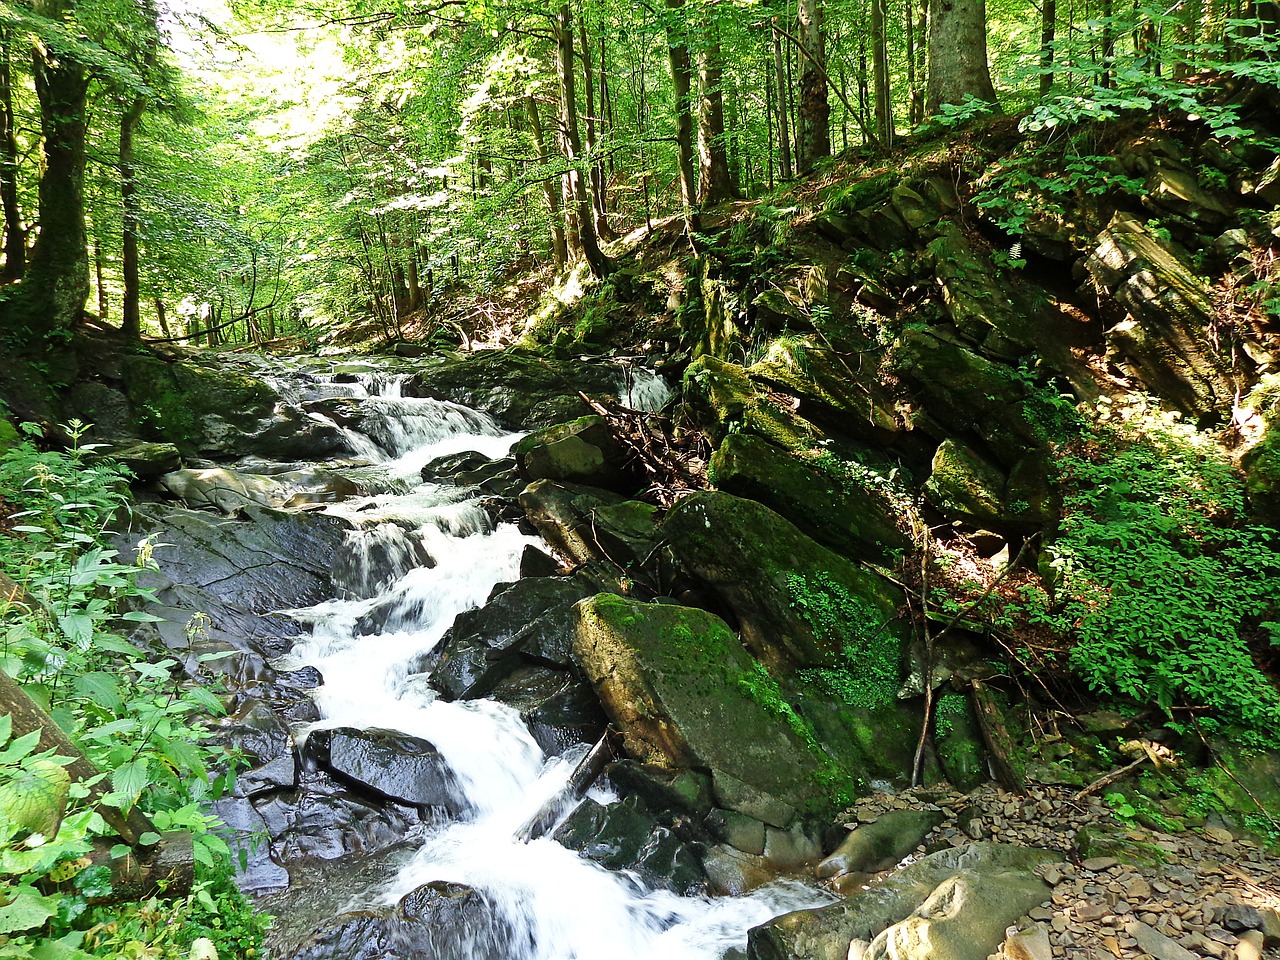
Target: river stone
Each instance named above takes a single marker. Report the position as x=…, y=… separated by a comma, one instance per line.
x=964, y=897
x=852, y=518
x=677, y=682
x=559, y=707
x=392, y=764
x=437, y=921
x=321, y=819
x=256, y=732
x=627, y=836
x=563, y=513
x=580, y=451
x=878, y=846
x=520, y=390
x=753, y=559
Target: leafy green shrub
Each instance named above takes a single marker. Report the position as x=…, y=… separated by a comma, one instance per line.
x=136, y=719
x=1164, y=590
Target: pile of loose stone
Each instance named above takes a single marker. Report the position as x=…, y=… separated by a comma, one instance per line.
x=1215, y=895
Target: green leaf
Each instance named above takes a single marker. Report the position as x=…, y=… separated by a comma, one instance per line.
x=139, y=616
x=26, y=910
x=130, y=780
x=37, y=797
x=20, y=747
x=102, y=688
x=149, y=839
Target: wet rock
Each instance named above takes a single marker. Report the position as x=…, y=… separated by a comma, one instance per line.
x=563, y=513
x=392, y=764
x=676, y=681
x=754, y=560
x=437, y=921
x=530, y=619
x=627, y=836
x=581, y=451
x=256, y=732
x=852, y=517
x=964, y=486
x=950, y=905
x=473, y=469
x=520, y=390
x=559, y=707
x=323, y=820
x=683, y=793
x=878, y=846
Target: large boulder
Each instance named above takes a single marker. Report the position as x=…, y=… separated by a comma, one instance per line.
x=724, y=400
x=580, y=451
x=229, y=490
x=686, y=694
x=1162, y=338
x=530, y=620
x=759, y=564
x=393, y=765
x=843, y=511
x=521, y=391
x=950, y=905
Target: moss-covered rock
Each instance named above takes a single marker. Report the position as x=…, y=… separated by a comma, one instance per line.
x=964, y=486
x=580, y=451
x=760, y=565
x=855, y=518
x=686, y=694
x=194, y=407
x=1262, y=475
x=827, y=392
x=724, y=400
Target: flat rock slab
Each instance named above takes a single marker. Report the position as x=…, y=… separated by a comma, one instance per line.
x=950, y=905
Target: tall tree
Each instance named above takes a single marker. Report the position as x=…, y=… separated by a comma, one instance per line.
x=15, y=234
x=958, y=53
x=579, y=185
x=682, y=89
x=813, y=133
x=715, y=180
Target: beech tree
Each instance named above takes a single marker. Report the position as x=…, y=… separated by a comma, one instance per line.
x=958, y=53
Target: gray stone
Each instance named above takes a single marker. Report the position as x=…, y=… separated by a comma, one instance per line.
x=878, y=846
x=1155, y=943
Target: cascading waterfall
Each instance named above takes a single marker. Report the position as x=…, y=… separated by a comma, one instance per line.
x=417, y=559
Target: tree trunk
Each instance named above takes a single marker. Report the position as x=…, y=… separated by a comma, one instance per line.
x=596, y=174
x=880, y=73
x=130, y=314
x=1048, y=30
x=15, y=234
x=780, y=81
x=163, y=319
x=714, y=181
x=813, y=139
x=682, y=85
x=958, y=53
x=549, y=186
x=53, y=291
x=597, y=262
x=1108, y=42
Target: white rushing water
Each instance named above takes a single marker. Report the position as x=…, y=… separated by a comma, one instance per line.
x=417, y=560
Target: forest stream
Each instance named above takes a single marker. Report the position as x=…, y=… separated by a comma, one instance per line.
x=416, y=555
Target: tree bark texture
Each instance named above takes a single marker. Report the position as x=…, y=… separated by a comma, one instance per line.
x=596, y=260
x=780, y=80
x=56, y=284
x=714, y=180
x=880, y=74
x=958, y=53
x=813, y=138
x=682, y=85
x=15, y=234
x=549, y=191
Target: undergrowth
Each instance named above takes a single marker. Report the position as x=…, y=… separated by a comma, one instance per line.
x=62, y=637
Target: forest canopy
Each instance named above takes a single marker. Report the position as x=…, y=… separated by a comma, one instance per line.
x=278, y=168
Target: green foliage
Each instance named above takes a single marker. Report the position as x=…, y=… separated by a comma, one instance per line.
x=1164, y=589
x=869, y=676
x=135, y=718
